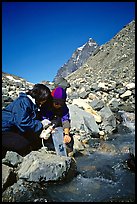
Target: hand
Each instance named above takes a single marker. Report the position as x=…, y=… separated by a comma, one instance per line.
x=67, y=139
x=45, y=134
x=45, y=123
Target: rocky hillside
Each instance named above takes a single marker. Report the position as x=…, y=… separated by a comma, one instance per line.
x=11, y=86
x=114, y=60
x=78, y=58
x=109, y=74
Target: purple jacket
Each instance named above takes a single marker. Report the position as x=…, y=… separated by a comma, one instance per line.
x=50, y=113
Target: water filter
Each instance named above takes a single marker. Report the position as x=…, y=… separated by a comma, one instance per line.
x=57, y=137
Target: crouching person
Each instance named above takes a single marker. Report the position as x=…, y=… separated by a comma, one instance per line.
x=58, y=114
x=20, y=127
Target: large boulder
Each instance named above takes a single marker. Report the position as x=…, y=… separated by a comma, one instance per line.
x=41, y=166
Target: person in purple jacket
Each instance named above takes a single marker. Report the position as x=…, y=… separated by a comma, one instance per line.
x=20, y=127
x=59, y=115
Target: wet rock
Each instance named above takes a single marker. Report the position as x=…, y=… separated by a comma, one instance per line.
x=108, y=118
x=12, y=159
x=131, y=162
x=8, y=176
x=24, y=192
x=39, y=166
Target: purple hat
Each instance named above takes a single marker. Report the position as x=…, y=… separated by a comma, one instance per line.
x=59, y=95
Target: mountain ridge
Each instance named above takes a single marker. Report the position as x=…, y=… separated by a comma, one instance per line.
x=80, y=55
x=116, y=57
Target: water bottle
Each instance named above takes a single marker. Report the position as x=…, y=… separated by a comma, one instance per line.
x=59, y=145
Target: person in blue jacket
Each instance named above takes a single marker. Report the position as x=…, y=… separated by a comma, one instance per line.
x=58, y=114
x=20, y=126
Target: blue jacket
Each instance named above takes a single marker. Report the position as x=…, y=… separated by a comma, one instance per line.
x=21, y=115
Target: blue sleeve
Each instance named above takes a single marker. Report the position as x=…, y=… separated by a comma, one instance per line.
x=25, y=116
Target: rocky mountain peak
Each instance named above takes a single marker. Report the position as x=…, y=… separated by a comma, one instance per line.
x=115, y=60
x=80, y=56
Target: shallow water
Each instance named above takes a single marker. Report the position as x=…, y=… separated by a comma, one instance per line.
x=102, y=177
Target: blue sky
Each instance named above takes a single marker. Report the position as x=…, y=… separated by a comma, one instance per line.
x=39, y=37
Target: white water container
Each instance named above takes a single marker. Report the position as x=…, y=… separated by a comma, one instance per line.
x=59, y=145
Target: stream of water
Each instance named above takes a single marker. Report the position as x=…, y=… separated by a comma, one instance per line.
x=103, y=175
